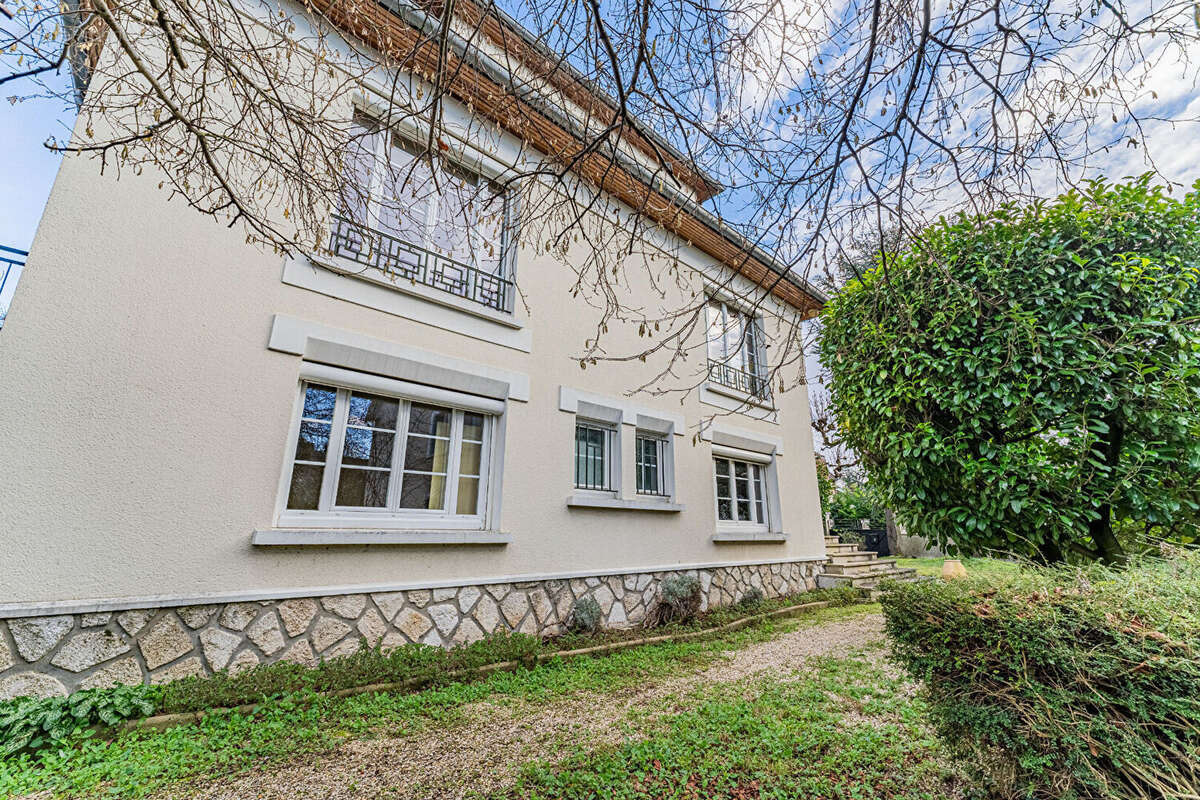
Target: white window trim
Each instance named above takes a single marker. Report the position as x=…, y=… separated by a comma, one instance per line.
x=716, y=394
x=744, y=445
x=610, y=453
x=333, y=517
x=627, y=419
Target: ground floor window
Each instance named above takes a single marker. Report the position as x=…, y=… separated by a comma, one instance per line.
x=371, y=454
x=594, y=465
x=741, y=492
x=650, y=464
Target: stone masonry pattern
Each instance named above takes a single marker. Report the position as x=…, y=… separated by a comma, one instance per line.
x=54, y=655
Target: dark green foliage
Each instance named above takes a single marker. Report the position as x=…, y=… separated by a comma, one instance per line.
x=678, y=601
x=854, y=502
x=1022, y=382
x=29, y=723
x=586, y=615
x=1063, y=683
x=411, y=662
x=752, y=599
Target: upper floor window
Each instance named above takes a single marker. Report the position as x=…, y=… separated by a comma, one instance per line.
x=371, y=455
x=435, y=223
x=735, y=350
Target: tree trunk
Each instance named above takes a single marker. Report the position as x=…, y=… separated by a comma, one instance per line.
x=893, y=536
x=1108, y=549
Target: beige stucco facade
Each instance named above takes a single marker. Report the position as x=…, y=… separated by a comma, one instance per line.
x=150, y=373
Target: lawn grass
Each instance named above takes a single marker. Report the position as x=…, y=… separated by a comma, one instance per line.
x=138, y=763
x=976, y=567
x=844, y=729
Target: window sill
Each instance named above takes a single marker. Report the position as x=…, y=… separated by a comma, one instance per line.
x=764, y=537
x=748, y=399
x=590, y=501
x=293, y=537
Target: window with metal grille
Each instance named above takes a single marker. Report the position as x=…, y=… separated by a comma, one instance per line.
x=735, y=350
x=650, y=463
x=594, y=457
x=740, y=492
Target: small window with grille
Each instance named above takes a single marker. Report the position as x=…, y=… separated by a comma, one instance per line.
x=594, y=465
x=651, y=467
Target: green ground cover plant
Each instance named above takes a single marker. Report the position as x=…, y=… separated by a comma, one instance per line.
x=1063, y=683
x=841, y=729
x=36, y=723
x=140, y=762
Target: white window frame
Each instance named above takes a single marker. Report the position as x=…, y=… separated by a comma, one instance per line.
x=759, y=498
x=662, y=447
x=611, y=466
x=330, y=515
x=751, y=348
x=380, y=169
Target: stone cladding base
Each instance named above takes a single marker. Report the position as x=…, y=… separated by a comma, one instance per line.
x=49, y=655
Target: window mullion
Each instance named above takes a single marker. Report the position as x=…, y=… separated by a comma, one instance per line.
x=400, y=448
x=380, y=169
x=333, y=457
x=450, y=496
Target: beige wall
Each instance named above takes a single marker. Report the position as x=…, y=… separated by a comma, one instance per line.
x=144, y=423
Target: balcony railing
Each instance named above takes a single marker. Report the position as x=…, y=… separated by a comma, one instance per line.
x=400, y=259
x=749, y=383
x=11, y=260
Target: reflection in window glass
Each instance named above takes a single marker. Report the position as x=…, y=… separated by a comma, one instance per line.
x=389, y=454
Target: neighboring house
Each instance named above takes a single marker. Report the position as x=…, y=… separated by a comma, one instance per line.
x=216, y=456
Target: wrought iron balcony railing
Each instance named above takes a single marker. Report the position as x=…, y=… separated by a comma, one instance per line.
x=398, y=258
x=750, y=383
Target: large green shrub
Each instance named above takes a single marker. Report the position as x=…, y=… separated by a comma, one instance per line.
x=1063, y=683
x=1021, y=381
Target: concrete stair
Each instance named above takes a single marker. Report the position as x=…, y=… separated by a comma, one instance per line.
x=850, y=565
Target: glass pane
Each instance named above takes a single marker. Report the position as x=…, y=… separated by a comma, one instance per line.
x=716, y=331
x=468, y=495
x=468, y=463
x=456, y=211
x=760, y=514
x=423, y=491
x=313, y=441
x=489, y=230
x=429, y=420
x=362, y=487
x=723, y=487
x=306, y=487
x=373, y=411
x=367, y=448
x=425, y=454
x=472, y=427
x=722, y=466
x=408, y=189
x=741, y=469
x=359, y=162
x=318, y=402
x=725, y=509
x=743, y=509
x=734, y=345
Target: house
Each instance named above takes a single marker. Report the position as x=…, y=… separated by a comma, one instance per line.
x=217, y=456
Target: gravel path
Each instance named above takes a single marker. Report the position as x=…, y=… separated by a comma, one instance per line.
x=483, y=753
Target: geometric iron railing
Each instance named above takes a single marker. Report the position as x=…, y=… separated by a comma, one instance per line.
x=10, y=259
x=396, y=257
x=748, y=382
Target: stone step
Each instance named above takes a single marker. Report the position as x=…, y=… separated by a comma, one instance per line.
x=904, y=575
x=833, y=540
x=861, y=557
x=883, y=565
x=841, y=548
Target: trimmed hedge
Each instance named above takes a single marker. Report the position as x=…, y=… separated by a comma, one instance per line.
x=1066, y=683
